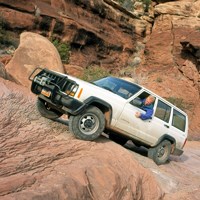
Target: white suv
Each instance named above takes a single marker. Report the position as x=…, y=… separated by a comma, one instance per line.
x=109, y=105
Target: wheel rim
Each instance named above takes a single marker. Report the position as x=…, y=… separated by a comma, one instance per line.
x=47, y=106
x=162, y=152
x=88, y=124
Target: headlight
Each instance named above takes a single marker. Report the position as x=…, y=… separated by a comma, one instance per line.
x=73, y=91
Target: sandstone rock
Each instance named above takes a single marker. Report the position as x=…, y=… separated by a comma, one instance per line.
x=21, y=5
x=105, y=31
x=190, y=71
x=73, y=70
x=17, y=19
x=183, y=8
x=33, y=51
x=40, y=159
x=166, y=60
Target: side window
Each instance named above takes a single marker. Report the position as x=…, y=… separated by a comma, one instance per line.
x=179, y=120
x=138, y=100
x=163, y=111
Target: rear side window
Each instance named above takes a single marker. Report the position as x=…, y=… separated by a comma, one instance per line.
x=179, y=120
x=163, y=111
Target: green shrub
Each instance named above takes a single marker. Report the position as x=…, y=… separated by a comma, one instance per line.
x=94, y=72
x=147, y=3
x=127, y=4
x=63, y=49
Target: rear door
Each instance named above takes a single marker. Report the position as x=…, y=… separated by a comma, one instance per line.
x=161, y=123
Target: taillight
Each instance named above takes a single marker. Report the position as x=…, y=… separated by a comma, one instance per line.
x=184, y=143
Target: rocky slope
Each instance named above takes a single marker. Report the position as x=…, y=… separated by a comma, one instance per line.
x=40, y=159
x=159, y=48
x=180, y=178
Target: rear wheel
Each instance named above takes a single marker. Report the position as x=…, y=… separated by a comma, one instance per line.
x=46, y=111
x=160, y=154
x=88, y=125
x=118, y=139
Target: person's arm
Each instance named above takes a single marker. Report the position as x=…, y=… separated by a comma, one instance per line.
x=147, y=115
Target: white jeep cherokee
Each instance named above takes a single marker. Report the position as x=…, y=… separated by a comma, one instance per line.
x=109, y=105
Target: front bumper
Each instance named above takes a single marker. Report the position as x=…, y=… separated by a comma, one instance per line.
x=56, y=89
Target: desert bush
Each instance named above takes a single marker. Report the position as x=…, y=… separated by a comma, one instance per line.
x=127, y=4
x=91, y=73
x=63, y=49
x=146, y=3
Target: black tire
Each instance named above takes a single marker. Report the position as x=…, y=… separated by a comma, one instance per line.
x=118, y=139
x=47, y=111
x=160, y=154
x=88, y=125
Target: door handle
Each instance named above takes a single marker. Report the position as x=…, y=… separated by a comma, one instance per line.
x=166, y=125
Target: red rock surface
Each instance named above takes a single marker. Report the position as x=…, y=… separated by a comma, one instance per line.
x=40, y=159
x=103, y=33
x=170, y=69
x=180, y=178
x=34, y=51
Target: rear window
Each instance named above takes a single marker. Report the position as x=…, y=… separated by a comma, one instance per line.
x=163, y=111
x=179, y=120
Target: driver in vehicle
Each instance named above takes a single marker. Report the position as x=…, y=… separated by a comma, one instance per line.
x=147, y=106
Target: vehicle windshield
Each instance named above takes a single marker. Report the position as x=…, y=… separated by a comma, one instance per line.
x=118, y=86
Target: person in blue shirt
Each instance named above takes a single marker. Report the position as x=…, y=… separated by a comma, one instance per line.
x=147, y=106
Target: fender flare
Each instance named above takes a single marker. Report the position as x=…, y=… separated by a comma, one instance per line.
x=167, y=137
x=99, y=102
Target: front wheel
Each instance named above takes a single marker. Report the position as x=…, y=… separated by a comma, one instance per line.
x=88, y=125
x=160, y=153
x=46, y=111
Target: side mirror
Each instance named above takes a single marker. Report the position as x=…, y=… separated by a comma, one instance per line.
x=136, y=102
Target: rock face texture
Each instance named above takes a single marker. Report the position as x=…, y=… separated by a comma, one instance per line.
x=40, y=159
x=172, y=57
x=98, y=33
x=163, y=42
x=34, y=51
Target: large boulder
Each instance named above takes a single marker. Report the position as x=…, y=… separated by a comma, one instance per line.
x=41, y=159
x=34, y=50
